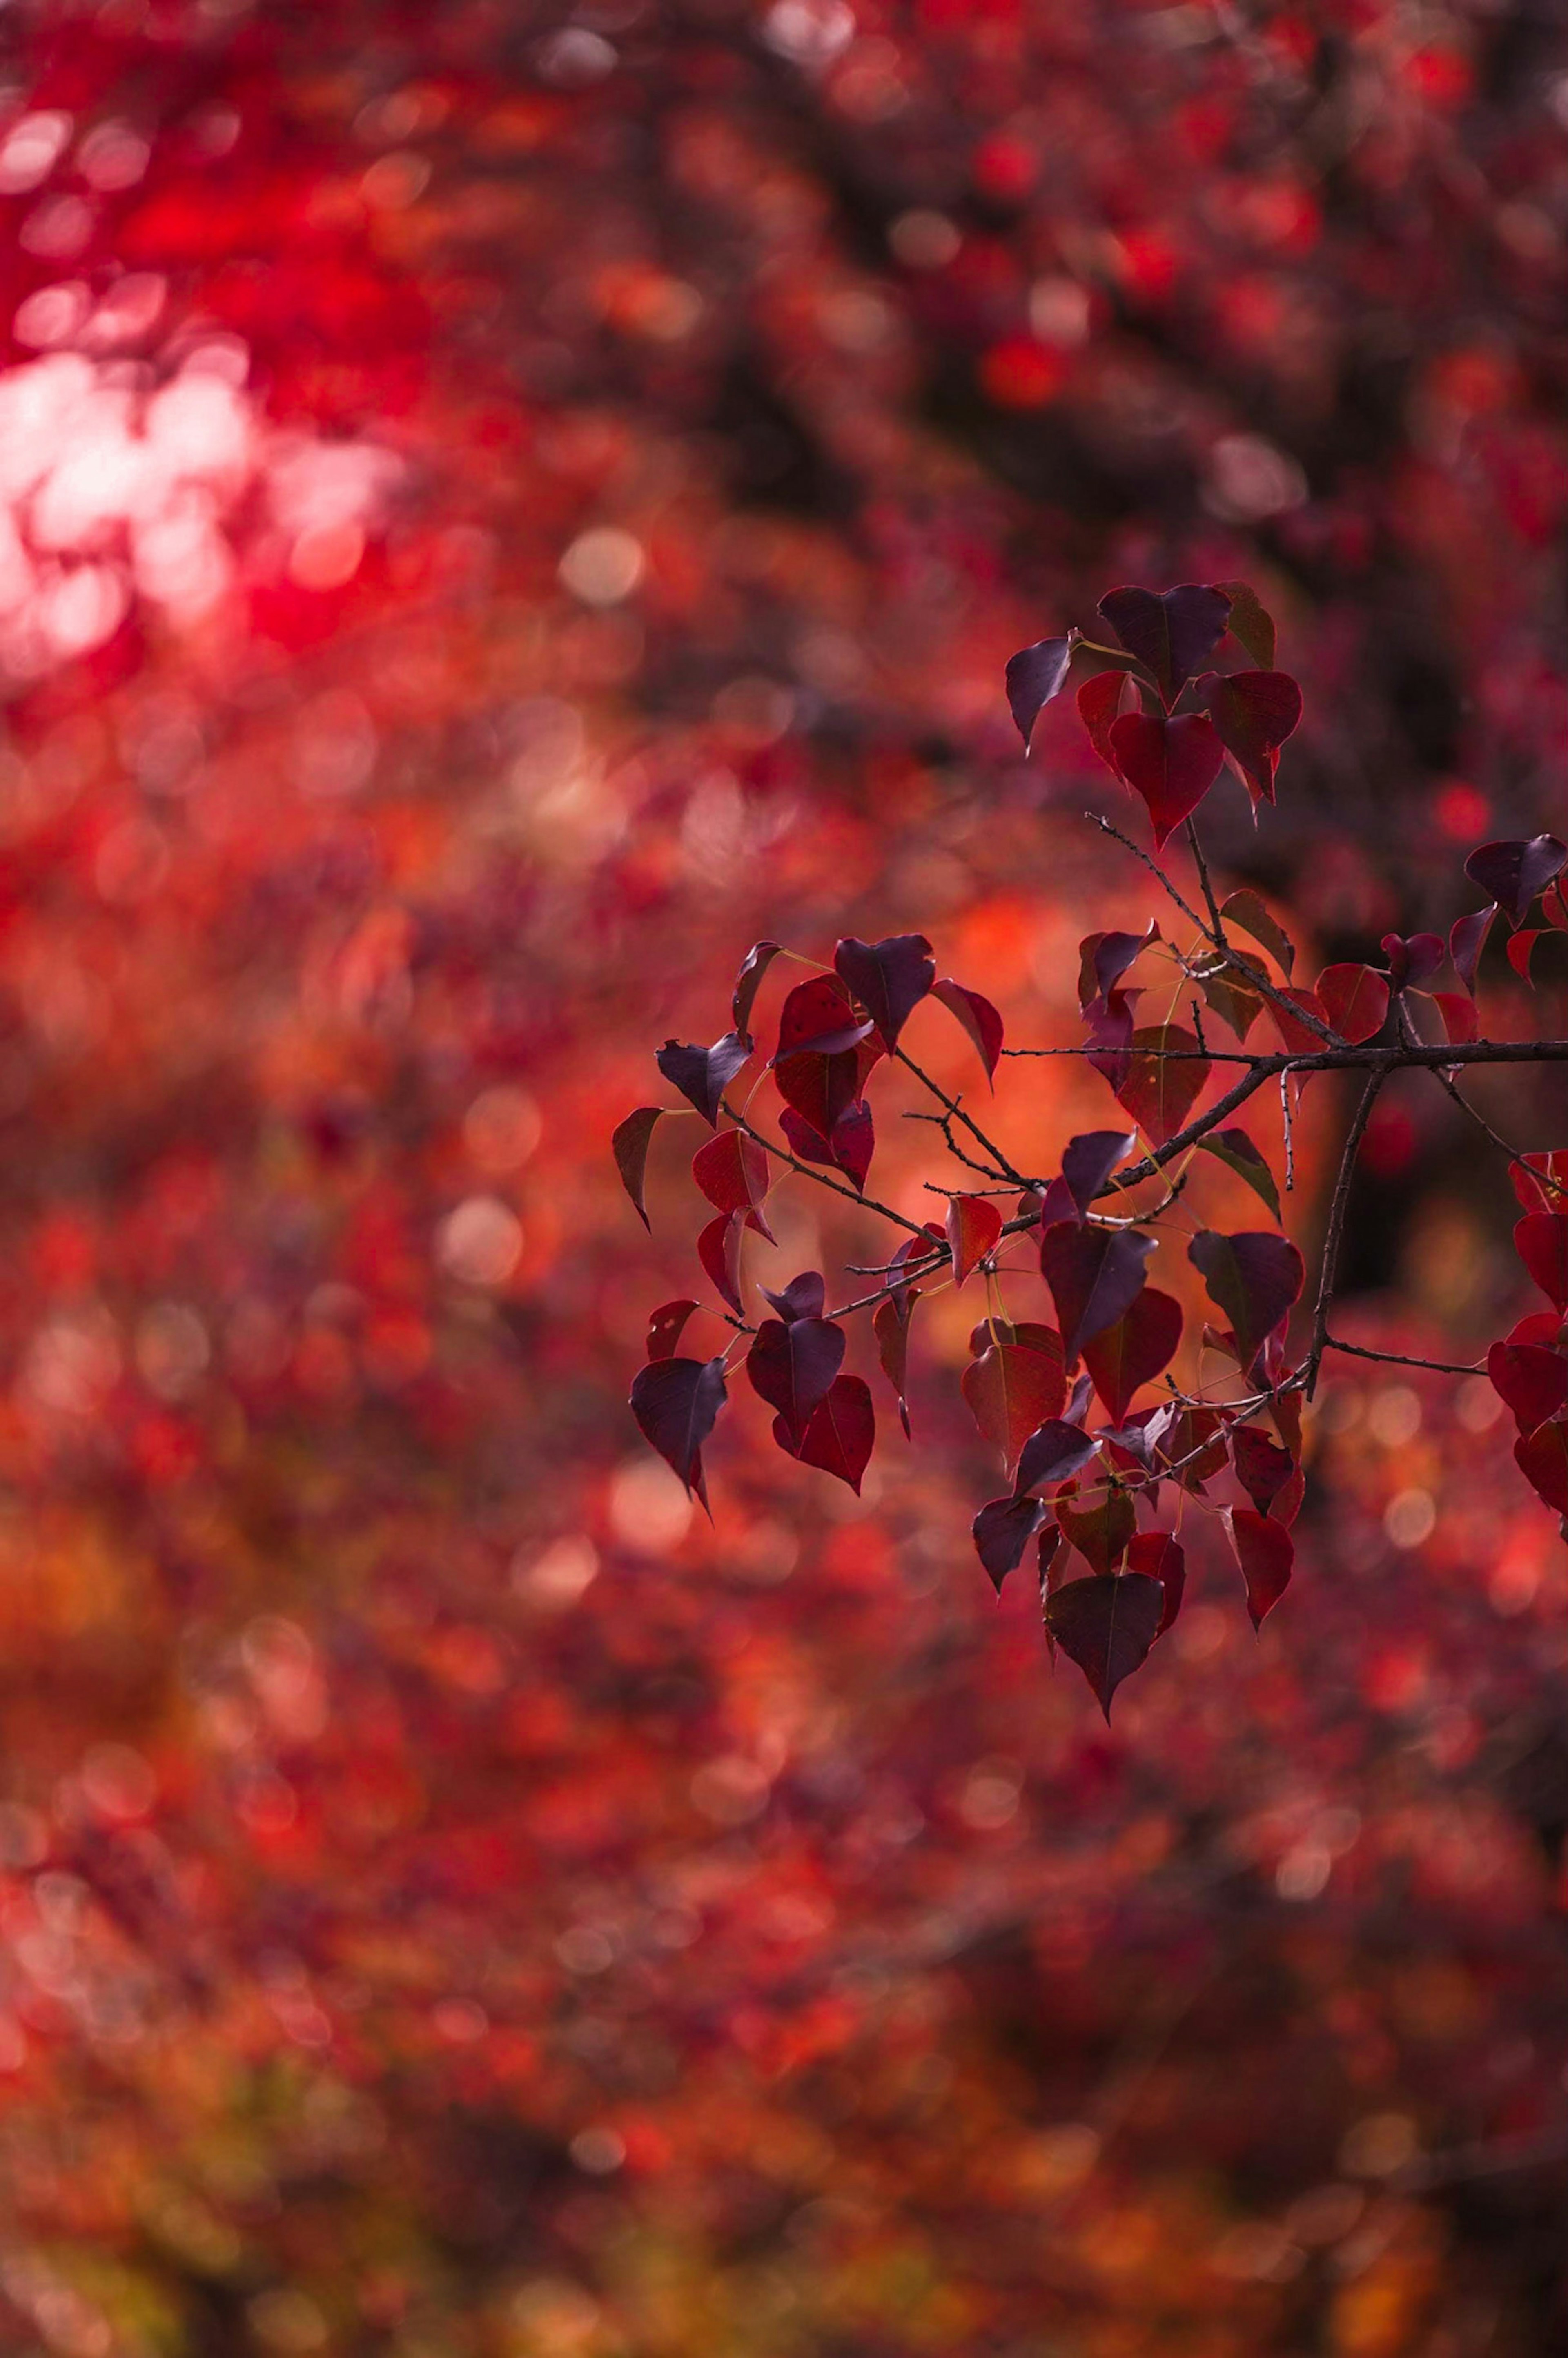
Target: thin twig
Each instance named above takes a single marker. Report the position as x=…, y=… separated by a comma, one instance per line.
x=1400, y=1359
x=1003, y=1168
x=820, y=1178
x=1335, y=1232
x=1285, y=1115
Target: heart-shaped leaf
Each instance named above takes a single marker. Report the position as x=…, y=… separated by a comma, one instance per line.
x=675, y=1402
x=1100, y=1525
x=1171, y=763
x=1530, y=1379
x=1355, y=1000
x=1088, y=1160
x=1140, y=1346
x=1054, y=1451
x=842, y=1432
x=1104, y=958
x=1265, y=1552
x=802, y=1297
x=732, y=1172
x=629, y=1144
x=1513, y=873
x=1467, y=940
x=1095, y=1275
x=702, y=1074
x=792, y=1364
x=1002, y=1530
x=1542, y=1457
x=748, y=982
x=820, y=1089
x=1012, y=1388
x=889, y=977
x=666, y=1326
x=1540, y=1240
x=1164, y=1079
x=1165, y=1560
x=1245, y=913
x=1253, y=712
x=1413, y=958
x=1250, y=626
x=1035, y=676
x=1262, y=1467
x=1172, y=633
x=1107, y=1626
x=974, y=1225
x=1253, y=1277
x=978, y=1018
x=1237, y=1153
x=817, y=1020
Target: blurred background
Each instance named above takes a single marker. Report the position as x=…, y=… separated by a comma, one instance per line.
x=500, y=507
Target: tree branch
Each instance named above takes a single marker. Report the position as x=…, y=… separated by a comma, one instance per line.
x=1336, y=1231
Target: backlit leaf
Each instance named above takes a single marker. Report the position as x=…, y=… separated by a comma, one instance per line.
x=732, y=1172
x=1355, y=1000
x=1100, y=1525
x=1540, y=1240
x=974, y=1224
x=1165, y=1074
x=889, y=977
x=1170, y=763
x=1245, y=913
x=1266, y=1552
x=666, y=1326
x=1107, y=1626
x=1137, y=1347
x=1011, y=1389
x=1100, y=702
x=718, y=1250
x=1165, y=1560
x=1172, y=631
x=1531, y=1379
x=1542, y=1458
x=1095, y=1275
x=675, y=1402
x=629, y=1143
x=1253, y=713
x=1238, y=1153
x=1262, y=1467
x=817, y=1020
x=1247, y=622
x=842, y=1432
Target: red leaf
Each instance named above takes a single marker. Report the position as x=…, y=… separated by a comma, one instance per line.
x=854, y=1142
x=1355, y=1000
x=1538, y=1195
x=1458, y=1014
x=1467, y=940
x=1095, y=1275
x=889, y=977
x=1101, y=1529
x=1107, y=1626
x=843, y=1433
x=1140, y=1346
x=665, y=1328
x=1002, y=1530
x=675, y=1402
x=732, y=1172
x=1513, y=873
x=1165, y=1560
x=1540, y=1240
x=1542, y=1457
x=889, y=1324
x=1253, y=712
x=821, y=1088
x=748, y=982
x=718, y=1250
x=1530, y=1379
x=974, y=1224
x=1254, y=1277
x=1164, y=1079
x=1012, y=1388
x=1099, y=704
x=702, y=1074
x=1520, y=950
x=1171, y=632
x=1299, y=1038
x=791, y=1366
x=1266, y=1551
x=817, y=1020
x=978, y=1018
x=629, y=1144
x=1262, y=1467
x=1171, y=763
x=1412, y=959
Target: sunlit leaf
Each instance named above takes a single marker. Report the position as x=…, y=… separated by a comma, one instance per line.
x=974, y=1225
x=1165, y=1075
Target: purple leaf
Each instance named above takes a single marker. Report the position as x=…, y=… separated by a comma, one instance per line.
x=1137, y=1347
x=1002, y=1530
x=1262, y=1467
x=629, y=1144
x=1095, y=1276
x=792, y=1364
x=1172, y=631
x=1413, y=958
x=889, y=977
x=802, y=1297
x=748, y=982
x=1513, y=873
x=1035, y=676
x=1250, y=626
x=1107, y=1625
x=1104, y=958
x=978, y=1018
x=1088, y=1160
x=702, y=1074
x=854, y=1142
x=666, y=1326
x=1165, y=1560
x=718, y=1250
x=1254, y=1277
x=1467, y=940
x=1054, y=1451
x=676, y=1402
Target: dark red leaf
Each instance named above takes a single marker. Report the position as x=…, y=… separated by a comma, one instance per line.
x=1262, y=1467
x=1137, y=1347
x=732, y=1172
x=1099, y=704
x=1165, y=1075
x=802, y=1297
x=1540, y=1240
x=1035, y=676
x=1299, y=1037
x=1254, y=1277
x=666, y=1326
x=1253, y=712
x=1458, y=1014
x=1193, y=1447
x=1107, y=1626
x=1054, y=1451
x=1234, y=1002
x=978, y=1018
x=791, y=1366
x=1266, y=1551
x=1355, y=1000
x=748, y=982
x=817, y=1020
x=1172, y=631
x=1171, y=763
x=1237, y=1153
x=889, y=977
x=890, y=1325
x=854, y=1142
x=1521, y=949
x=974, y=1224
x=1412, y=959
x=718, y=1250
x=1002, y=1530
x=1531, y=1379
x=1100, y=1528
x=1467, y=940
x=821, y=1088
x=702, y=1074
x=1246, y=913
x=1513, y=873
x=1542, y=1458
x=1165, y=1560
x=629, y=1144
x=1109, y=1021
x=1249, y=624
x=843, y=1433
x=802, y=1139
x=1095, y=1276
x=676, y=1402
x=1104, y=958
x=1011, y=1389
x=1088, y=1160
